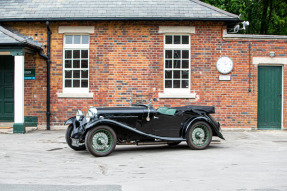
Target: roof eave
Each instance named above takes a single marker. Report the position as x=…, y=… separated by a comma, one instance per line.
x=119, y=19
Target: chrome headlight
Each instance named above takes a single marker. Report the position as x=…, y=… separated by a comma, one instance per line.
x=79, y=115
x=92, y=113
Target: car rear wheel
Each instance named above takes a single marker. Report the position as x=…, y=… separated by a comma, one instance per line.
x=69, y=140
x=199, y=135
x=101, y=141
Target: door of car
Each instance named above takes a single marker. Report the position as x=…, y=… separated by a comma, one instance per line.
x=163, y=125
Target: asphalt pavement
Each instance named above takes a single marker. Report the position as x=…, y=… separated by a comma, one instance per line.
x=246, y=160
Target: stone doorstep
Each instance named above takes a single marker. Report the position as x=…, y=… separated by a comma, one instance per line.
x=10, y=130
x=6, y=124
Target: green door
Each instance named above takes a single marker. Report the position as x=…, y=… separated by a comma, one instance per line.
x=6, y=88
x=269, y=97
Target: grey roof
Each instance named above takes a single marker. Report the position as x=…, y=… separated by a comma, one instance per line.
x=8, y=37
x=111, y=10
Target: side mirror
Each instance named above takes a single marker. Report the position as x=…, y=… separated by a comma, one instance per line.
x=154, y=99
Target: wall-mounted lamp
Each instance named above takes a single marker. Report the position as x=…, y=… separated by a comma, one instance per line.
x=272, y=54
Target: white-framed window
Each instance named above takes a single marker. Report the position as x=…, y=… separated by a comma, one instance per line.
x=76, y=63
x=176, y=64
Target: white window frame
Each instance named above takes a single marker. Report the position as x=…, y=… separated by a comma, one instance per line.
x=177, y=92
x=75, y=47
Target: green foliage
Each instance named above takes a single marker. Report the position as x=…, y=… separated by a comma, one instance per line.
x=265, y=16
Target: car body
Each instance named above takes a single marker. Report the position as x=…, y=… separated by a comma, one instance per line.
x=102, y=128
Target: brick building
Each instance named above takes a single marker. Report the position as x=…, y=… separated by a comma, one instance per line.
x=59, y=56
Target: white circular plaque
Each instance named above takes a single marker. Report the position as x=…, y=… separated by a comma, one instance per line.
x=224, y=65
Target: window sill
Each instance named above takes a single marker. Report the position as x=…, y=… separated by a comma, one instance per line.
x=177, y=96
x=75, y=95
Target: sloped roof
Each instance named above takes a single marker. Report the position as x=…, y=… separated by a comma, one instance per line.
x=30, y=10
x=8, y=37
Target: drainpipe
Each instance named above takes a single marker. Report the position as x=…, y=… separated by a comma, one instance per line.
x=249, y=75
x=48, y=72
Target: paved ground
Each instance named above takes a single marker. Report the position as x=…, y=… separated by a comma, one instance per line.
x=41, y=160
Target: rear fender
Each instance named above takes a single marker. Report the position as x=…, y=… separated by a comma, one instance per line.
x=205, y=119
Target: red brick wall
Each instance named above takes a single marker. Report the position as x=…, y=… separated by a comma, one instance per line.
x=127, y=58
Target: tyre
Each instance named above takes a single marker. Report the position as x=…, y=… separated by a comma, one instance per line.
x=173, y=143
x=199, y=135
x=69, y=140
x=101, y=141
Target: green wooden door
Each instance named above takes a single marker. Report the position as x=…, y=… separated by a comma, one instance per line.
x=269, y=97
x=6, y=88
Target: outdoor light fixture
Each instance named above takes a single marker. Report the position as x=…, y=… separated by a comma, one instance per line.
x=272, y=54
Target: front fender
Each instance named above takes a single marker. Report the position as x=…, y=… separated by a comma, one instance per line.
x=205, y=119
x=70, y=121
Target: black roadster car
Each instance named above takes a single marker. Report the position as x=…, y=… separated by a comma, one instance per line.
x=102, y=128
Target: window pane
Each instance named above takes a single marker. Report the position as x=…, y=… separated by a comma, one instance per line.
x=77, y=39
x=68, y=83
x=68, y=63
x=68, y=74
x=168, y=64
x=176, y=54
x=184, y=74
x=176, y=64
x=76, y=64
x=184, y=83
x=76, y=53
x=76, y=74
x=68, y=54
x=176, y=74
x=185, y=64
x=176, y=39
x=84, y=83
x=185, y=39
x=176, y=84
x=168, y=83
x=69, y=39
x=168, y=54
x=85, y=39
x=168, y=39
x=185, y=54
x=76, y=83
x=84, y=53
x=84, y=63
x=85, y=73
x=168, y=74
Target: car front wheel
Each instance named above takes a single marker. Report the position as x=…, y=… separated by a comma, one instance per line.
x=199, y=135
x=101, y=141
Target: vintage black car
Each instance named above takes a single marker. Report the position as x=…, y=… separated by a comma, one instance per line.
x=102, y=128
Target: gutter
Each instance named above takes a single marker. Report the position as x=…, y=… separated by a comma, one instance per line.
x=119, y=19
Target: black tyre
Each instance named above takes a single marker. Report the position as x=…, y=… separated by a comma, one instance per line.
x=199, y=135
x=101, y=141
x=69, y=140
x=173, y=143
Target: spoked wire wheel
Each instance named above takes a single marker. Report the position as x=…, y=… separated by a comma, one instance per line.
x=101, y=141
x=199, y=136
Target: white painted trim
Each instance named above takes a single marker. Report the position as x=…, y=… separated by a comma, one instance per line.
x=269, y=60
x=75, y=95
x=177, y=29
x=76, y=29
x=252, y=36
x=177, y=96
x=19, y=89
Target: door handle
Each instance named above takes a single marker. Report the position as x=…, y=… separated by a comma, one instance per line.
x=155, y=117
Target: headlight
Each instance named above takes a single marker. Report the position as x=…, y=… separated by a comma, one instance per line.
x=92, y=113
x=79, y=115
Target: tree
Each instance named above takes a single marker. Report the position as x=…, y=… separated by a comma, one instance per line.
x=265, y=16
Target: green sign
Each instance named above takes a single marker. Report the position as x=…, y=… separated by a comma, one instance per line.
x=29, y=74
